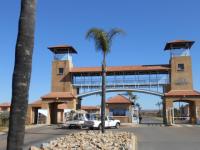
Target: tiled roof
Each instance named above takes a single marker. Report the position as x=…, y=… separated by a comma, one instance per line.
x=119, y=99
x=61, y=49
x=5, y=104
x=182, y=93
x=58, y=95
x=90, y=107
x=177, y=44
x=37, y=102
x=164, y=67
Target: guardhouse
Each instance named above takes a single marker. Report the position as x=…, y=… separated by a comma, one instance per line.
x=171, y=82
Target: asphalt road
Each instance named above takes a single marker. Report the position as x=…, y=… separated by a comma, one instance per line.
x=167, y=138
x=36, y=136
x=149, y=137
x=151, y=120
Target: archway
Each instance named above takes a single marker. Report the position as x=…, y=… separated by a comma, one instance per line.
x=81, y=97
x=183, y=112
x=120, y=90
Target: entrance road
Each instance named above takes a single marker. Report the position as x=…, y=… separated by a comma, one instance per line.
x=167, y=138
x=149, y=137
x=36, y=136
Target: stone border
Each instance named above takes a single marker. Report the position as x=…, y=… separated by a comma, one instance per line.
x=83, y=137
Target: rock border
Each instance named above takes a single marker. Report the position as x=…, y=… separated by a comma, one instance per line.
x=92, y=140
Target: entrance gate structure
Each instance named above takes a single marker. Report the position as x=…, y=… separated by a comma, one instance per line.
x=172, y=82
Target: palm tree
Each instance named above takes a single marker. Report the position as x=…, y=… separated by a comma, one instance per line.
x=103, y=41
x=133, y=98
x=21, y=75
x=159, y=110
x=138, y=106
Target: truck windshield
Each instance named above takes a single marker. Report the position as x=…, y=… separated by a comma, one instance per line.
x=93, y=116
x=76, y=117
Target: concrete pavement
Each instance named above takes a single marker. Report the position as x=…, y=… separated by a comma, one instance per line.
x=36, y=136
x=149, y=137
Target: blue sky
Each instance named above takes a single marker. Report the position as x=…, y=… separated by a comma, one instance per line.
x=148, y=25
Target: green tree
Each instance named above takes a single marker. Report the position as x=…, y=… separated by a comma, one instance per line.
x=21, y=75
x=132, y=97
x=159, y=110
x=103, y=42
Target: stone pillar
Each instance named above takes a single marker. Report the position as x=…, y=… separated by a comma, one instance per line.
x=29, y=118
x=192, y=112
x=167, y=113
x=48, y=114
x=78, y=105
x=197, y=111
x=53, y=113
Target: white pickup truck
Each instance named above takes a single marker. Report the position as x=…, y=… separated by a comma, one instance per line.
x=96, y=123
x=75, y=119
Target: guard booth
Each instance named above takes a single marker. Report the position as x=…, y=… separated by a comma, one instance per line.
x=181, y=83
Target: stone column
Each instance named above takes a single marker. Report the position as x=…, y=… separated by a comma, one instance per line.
x=167, y=114
x=78, y=105
x=192, y=112
x=29, y=118
x=197, y=111
x=48, y=114
x=53, y=113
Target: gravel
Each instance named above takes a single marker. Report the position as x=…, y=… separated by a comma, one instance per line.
x=91, y=140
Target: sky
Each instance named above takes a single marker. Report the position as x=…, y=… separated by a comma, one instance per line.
x=148, y=26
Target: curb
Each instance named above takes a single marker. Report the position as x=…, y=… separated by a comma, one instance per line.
x=5, y=131
x=134, y=144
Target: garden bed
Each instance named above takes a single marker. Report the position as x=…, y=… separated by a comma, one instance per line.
x=92, y=140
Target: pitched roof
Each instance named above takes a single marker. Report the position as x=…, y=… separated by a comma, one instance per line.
x=90, y=107
x=37, y=103
x=175, y=93
x=145, y=68
x=178, y=44
x=119, y=99
x=62, y=49
x=58, y=95
x=6, y=104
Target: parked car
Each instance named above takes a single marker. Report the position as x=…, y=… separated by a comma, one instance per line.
x=95, y=123
x=76, y=119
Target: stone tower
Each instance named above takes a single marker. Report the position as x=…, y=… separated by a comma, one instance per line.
x=181, y=83
x=61, y=79
x=181, y=65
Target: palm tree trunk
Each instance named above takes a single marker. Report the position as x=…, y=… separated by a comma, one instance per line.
x=103, y=98
x=21, y=75
x=159, y=110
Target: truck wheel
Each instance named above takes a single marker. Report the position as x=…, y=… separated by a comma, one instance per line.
x=100, y=127
x=117, y=125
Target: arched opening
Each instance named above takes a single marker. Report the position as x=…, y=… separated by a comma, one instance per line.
x=150, y=109
x=120, y=90
x=131, y=111
x=183, y=112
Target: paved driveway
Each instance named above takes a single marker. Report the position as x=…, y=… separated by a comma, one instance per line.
x=36, y=136
x=149, y=137
x=167, y=138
